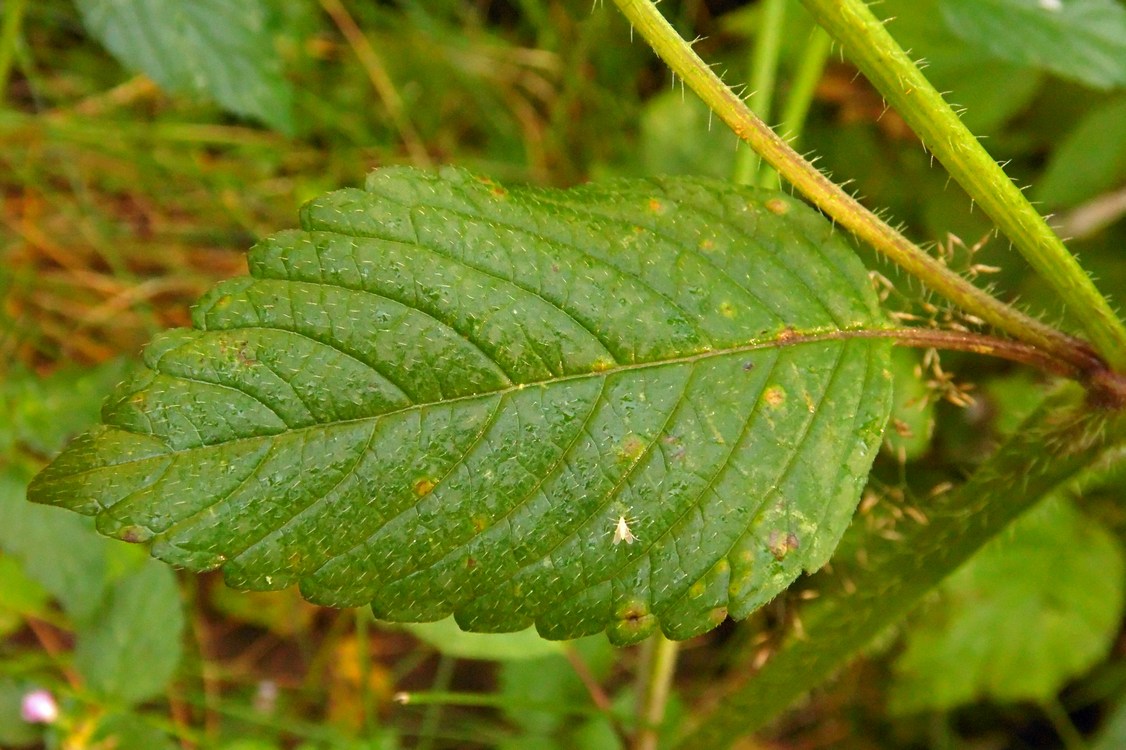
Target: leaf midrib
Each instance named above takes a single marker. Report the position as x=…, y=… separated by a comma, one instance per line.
x=786, y=341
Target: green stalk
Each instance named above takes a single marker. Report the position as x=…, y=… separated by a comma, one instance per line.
x=659, y=668
x=831, y=199
x=887, y=66
x=809, y=72
x=763, y=75
x=9, y=38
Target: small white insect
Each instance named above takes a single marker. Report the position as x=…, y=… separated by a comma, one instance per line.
x=1052, y=5
x=622, y=532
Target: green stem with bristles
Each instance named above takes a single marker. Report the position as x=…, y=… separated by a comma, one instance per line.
x=835, y=202
x=869, y=45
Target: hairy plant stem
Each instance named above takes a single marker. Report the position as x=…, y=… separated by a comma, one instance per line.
x=763, y=74
x=658, y=668
x=834, y=201
x=869, y=45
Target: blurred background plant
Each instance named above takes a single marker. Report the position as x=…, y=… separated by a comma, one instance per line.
x=146, y=144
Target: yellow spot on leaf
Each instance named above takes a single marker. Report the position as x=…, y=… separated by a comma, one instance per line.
x=423, y=487
x=774, y=396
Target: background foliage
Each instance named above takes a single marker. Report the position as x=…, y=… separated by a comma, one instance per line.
x=134, y=178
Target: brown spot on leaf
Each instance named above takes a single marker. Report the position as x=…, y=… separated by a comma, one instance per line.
x=781, y=544
x=134, y=534
x=787, y=334
x=632, y=448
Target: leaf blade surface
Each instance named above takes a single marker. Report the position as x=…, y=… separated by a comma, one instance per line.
x=442, y=396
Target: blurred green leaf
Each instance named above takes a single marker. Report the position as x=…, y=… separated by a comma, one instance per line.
x=216, y=48
x=1035, y=608
x=60, y=551
x=130, y=651
x=447, y=637
x=679, y=137
x=552, y=682
x=127, y=731
x=1091, y=159
x=989, y=89
x=553, y=708
x=1012, y=398
x=1084, y=40
x=14, y=731
x=39, y=414
x=19, y=593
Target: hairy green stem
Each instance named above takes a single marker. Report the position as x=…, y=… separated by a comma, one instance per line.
x=834, y=201
x=9, y=38
x=763, y=74
x=809, y=72
x=869, y=45
x=656, y=681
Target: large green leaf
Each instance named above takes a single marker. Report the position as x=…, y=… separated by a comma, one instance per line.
x=1084, y=40
x=131, y=650
x=441, y=396
x=220, y=49
x=1035, y=608
x=1090, y=160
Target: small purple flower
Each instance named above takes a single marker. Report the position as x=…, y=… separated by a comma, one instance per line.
x=39, y=707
